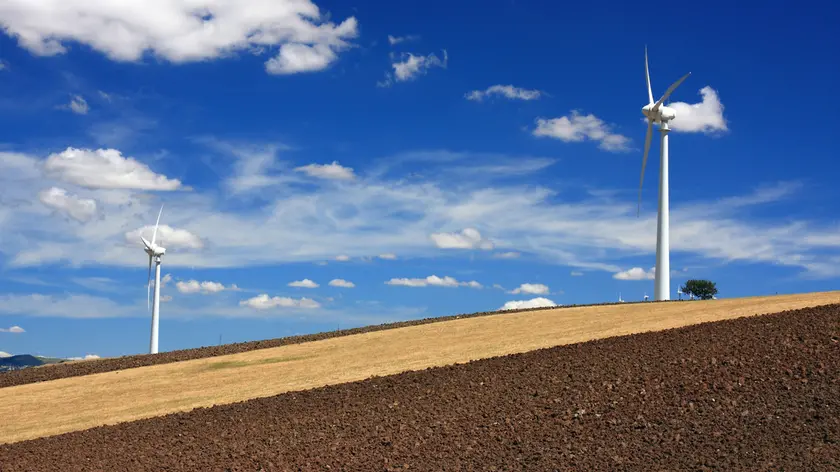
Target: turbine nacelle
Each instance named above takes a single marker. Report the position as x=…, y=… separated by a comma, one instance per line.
x=660, y=114
x=153, y=249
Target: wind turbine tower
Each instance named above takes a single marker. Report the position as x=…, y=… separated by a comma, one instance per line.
x=661, y=114
x=155, y=253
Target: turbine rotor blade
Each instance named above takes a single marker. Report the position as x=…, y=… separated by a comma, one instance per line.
x=644, y=163
x=146, y=242
x=149, y=286
x=154, y=235
x=647, y=77
x=670, y=90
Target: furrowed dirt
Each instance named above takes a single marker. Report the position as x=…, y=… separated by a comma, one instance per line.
x=757, y=393
x=75, y=369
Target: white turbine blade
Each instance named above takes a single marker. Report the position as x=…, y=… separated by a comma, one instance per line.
x=647, y=77
x=149, y=286
x=146, y=242
x=644, y=163
x=670, y=90
x=154, y=235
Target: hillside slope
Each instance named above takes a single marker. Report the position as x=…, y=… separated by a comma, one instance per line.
x=71, y=404
x=756, y=393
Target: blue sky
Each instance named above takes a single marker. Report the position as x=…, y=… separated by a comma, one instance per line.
x=441, y=158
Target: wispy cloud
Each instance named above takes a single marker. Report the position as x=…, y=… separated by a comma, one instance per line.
x=380, y=213
x=408, y=67
x=77, y=105
x=507, y=91
x=393, y=40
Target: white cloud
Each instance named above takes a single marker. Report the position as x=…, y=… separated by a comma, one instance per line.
x=305, y=283
x=342, y=258
x=577, y=128
x=13, y=329
x=388, y=256
x=87, y=357
x=106, y=169
x=342, y=283
x=264, y=302
x=386, y=212
x=401, y=39
x=77, y=105
x=2, y=353
x=538, y=302
x=636, y=273
x=167, y=237
x=165, y=298
x=433, y=281
x=703, y=117
x=334, y=171
x=184, y=31
x=507, y=91
x=536, y=289
x=468, y=238
x=576, y=273
x=507, y=255
x=80, y=209
x=194, y=286
x=409, y=67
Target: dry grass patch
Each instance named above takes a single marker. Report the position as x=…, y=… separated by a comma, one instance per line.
x=42, y=409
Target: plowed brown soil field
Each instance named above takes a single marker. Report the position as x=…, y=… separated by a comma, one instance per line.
x=754, y=393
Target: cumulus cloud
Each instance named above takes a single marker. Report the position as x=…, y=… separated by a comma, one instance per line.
x=333, y=171
x=409, y=67
x=342, y=283
x=167, y=237
x=105, y=169
x=264, y=302
x=433, y=281
x=184, y=31
x=536, y=289
x=80, y=209
x=636, y=273
x=194, y=286
x=703, y=117
x=469, y=238
x=87, y=357
x=538, y=302
x=305, y=283
x=576, y=128
x=13, y=329
x=402, y=39
x=507, y=91
x=342, y=258
x=388, y=256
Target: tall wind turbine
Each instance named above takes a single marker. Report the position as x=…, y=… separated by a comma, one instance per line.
x=155, y=252
x=659, y=113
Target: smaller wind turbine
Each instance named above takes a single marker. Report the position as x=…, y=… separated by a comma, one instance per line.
x=679, y=293
x=619, y=298
x=646, y=296
x=155, y=253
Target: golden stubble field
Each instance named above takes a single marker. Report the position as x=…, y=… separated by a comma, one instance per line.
x=72, y=404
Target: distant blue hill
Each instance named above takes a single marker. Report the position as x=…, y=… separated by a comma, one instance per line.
x=19, y=362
